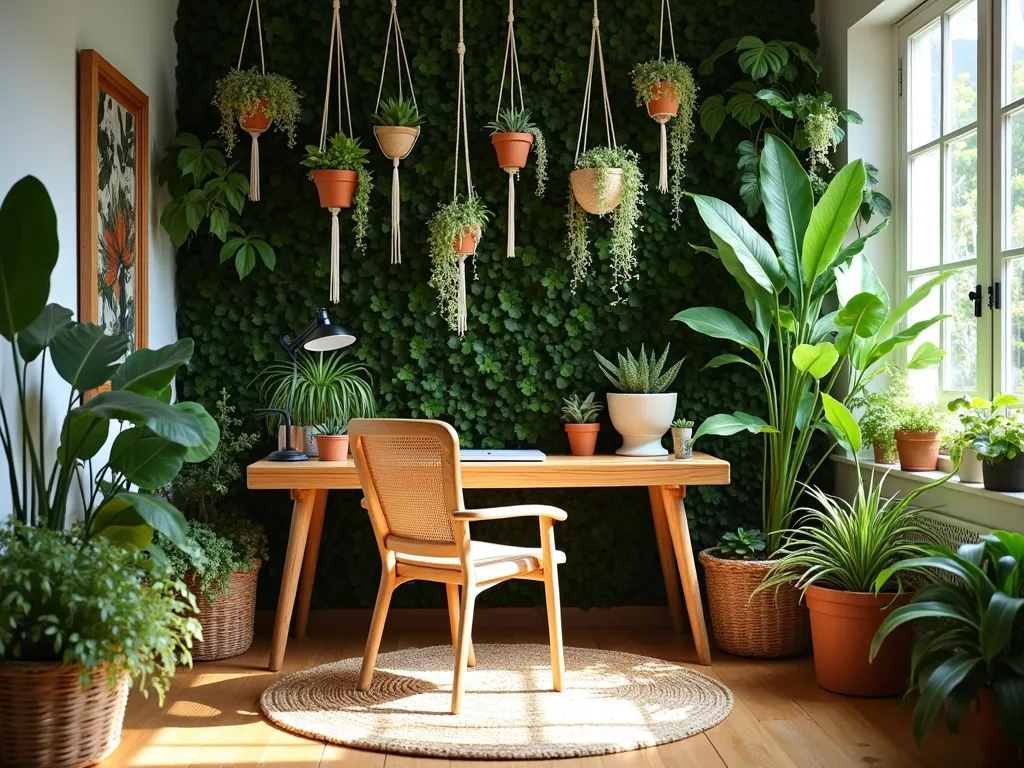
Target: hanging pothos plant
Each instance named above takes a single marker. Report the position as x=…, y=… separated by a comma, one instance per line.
x=243, y=95
x=454, y=233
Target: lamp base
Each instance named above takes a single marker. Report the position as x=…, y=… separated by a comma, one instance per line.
x=287, y=454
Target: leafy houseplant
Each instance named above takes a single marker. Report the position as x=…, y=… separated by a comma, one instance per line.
x=996, y=439
x=606, y=180
x=339, y=173
x=255, y=100
x=513, y=132
x=919, y=435
x=235, y=545
x=742, y=545
x=580, y=417
x=455, y=231
x=882, y=413
x=641, y=410
x=682, y=432
x=972, y=640
x=666, y=87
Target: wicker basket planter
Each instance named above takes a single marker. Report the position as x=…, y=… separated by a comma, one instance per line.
x=774, y=624
x=228, y=621
x=48, y=721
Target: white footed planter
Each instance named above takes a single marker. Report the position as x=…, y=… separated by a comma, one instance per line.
x=970, y=467
x=642, y=420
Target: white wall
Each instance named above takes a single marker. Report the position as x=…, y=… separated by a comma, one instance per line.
x=39, y=44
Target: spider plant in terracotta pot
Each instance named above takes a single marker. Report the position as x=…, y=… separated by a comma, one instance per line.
x=340, y=175
x=580, y=417
x=513, y=133
x=455, y=231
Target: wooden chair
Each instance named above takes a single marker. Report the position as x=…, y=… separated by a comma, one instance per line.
x=410, y=475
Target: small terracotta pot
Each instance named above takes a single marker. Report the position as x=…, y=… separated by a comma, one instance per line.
x=1006, y=475
x=258, y=121
x=919, y=451
x=996, y=746
x=582, y=438
x=880, y=456
x=465, y=245
x=513, y=149
x=336, y=188
x=843, y=624
x=332, y=447
x=663, y=102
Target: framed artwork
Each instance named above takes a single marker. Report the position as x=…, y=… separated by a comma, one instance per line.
x=113, y=201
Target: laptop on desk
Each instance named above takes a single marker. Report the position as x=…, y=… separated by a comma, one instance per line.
x=501, y=454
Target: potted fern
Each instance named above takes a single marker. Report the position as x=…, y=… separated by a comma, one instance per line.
x=454, y=234
x=580, y=417
x=396, y=126
x=513, y=133
x=340, y=174
x=641, y=411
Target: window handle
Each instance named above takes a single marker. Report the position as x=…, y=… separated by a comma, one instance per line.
x=975, y=296
x=994, y=295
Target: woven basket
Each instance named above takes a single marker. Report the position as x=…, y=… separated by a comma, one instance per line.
x=774, y=624
x=396, y=141
x=227, y=621
x=48, y=721
x=585, y=189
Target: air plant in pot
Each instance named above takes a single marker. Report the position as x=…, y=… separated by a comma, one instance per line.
x=455, y=231
x=580, y=417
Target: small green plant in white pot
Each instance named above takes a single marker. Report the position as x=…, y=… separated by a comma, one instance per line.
x=682, y=434
x=641, y=411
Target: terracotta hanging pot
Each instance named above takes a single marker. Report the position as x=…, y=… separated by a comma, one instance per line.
x=335, y=188
x=663, y=103
x=396, y=141
x=588, y=194
x=258, y=121
x=513, y=149
x=919, y=451
x=843, y=625
x=332, y=447
x=582, y=438
x=465, y=244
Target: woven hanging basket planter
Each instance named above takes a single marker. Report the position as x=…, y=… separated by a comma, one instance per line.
x=771, y=625
x=513, y=149
x=396, y=141
x=587, y=191
x=48, y=721
x=227, y=621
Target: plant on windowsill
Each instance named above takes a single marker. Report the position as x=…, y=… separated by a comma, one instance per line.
x=641, y=411
x=882, y=413
x=919, y=432
x=971, y=642
x=580, y=417
x=455, y=231
x=996, y=439
x=340, y=175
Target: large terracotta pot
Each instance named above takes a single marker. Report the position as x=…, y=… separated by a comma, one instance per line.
x=336, y=188
x=513, y=149
x=585, y=189
x=258, y=121
x=1006, y=475
x=919, y=451
x=996, y=746
x=642, y=420
x=880, y=455
x=465, y=244
x=582, y=438
x=332, y=447
x=663, y=103
x=843, y=624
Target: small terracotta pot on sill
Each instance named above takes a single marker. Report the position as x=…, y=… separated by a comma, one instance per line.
x=332, y=447
x=258, y=121
x=663, y=103
x=465, y=244
x=582, y=438
x=336, y=188
x=513, y=149
x=881, y=457
x=919, y=451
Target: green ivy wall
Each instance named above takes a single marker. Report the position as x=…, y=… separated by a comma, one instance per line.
x=530, y=339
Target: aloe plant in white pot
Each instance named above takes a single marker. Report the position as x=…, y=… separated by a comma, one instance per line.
x=641, y=411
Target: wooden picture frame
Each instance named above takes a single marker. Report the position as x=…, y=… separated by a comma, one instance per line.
x=113, y=201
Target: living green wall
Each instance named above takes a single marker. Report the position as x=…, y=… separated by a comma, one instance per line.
x=530, y=339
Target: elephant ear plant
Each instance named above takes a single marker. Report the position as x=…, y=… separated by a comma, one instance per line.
x=797, y=351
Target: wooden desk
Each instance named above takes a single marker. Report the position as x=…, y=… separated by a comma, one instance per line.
x=665, y=478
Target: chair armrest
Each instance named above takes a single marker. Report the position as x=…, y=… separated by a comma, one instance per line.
x=501, y=513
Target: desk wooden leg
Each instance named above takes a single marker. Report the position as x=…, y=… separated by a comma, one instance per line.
x=302, y=513
x=668, y=560
x=316, y=528
x=675, y=512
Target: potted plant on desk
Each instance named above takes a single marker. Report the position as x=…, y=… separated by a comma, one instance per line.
x=332, y=439
x=580, y=417
x=682, y=434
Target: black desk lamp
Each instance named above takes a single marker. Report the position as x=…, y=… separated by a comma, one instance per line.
x=321, y=335
x=287, y=453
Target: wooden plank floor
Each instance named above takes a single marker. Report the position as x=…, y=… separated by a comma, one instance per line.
x=781, y=717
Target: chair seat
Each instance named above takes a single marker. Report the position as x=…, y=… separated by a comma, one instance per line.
x=487, y=556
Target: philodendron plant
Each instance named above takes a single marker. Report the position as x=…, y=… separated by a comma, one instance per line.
x=117, y=500
x=797, y=350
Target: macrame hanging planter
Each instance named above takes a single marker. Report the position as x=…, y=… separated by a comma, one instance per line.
x=336, y=188
x=396, y=141
x=258, y=121
x=664, y=103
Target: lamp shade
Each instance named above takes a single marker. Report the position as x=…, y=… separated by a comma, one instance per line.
x=327, y=338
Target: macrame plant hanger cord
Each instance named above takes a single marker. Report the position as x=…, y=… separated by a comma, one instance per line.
x=254, y=155
x=511, y=67
x=462, y=134
x=342, y=86
x=401, y=60
x=609, y=127
x=663, y=118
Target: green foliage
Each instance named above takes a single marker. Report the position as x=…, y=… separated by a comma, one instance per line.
x=451, y=221
x=744, y=544
x=398, y=111
x=576, y=411
x=883, y=411
x=530, y=340
x=240, y=93
x=512, y=120
x=218, y=551
x=319, y=387
x=90, y=603
x=640, y=375
x=922, y=417
x=973, y=633
x=244, y=247
x=345, y=154
x=682, y=424
x=332, y=426
x=986, y=429
x=625, y=217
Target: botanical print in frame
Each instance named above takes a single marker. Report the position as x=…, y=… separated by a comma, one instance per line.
x=113, y=201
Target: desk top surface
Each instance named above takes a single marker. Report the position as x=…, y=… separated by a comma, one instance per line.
x=555, y=472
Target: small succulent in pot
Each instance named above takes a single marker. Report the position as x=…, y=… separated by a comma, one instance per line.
x=397, y=126
x=340, y=175
x=455, y=231
x=682, y=433
x=332, y=439
x=248, y=94
x=744, y=544
x=580, y=417
x=512, y=134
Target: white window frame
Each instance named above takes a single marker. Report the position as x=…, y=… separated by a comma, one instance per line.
x=920, y=19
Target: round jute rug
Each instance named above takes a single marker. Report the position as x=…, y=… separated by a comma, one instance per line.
x=612, y=702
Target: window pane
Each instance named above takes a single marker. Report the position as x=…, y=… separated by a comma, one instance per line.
x=925, y=382
x=1013, y=73
x=923, y=198
x=1014, y=184
x=925, y=85
x=961, y=334
x=1014, y=352
x=962, y=86
x=962, y=215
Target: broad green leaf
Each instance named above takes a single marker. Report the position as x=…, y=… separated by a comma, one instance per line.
x=719, y=324
x=788, y=202
x=920, y=294
x=831, y=220
x=41, y=331
x=211, y=432
x=753, y=251
x=149, y=371
x=787, y=320
x=943, y=679
x=147, y=460
x=175, y=223
x=745, y=109
x=823, y=327
x=758, y=58
x=739, y=272
x=712, y=114
x=857, y=246
x=730, y=423
x=28, y=254
x=997, y=624
x=1009, y=693
x=245, y=260
x=776, y=100
x=84, y=356
x=803, y=411
x=81, y=436
x=230, y=248
x=118, y=522
x=159, y=513
x=266, y=253
x=906, y=336
x=817, y=360
x=219, y=220
x=863, y=314
x=842, y=421
x=720, y=360
x=925, y=356
x=859, y=277
x=169, y=422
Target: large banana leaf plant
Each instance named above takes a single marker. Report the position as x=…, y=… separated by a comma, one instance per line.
x=797, y=349
x=116, y=500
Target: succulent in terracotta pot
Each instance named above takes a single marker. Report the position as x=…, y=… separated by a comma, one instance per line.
x=580, y=417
